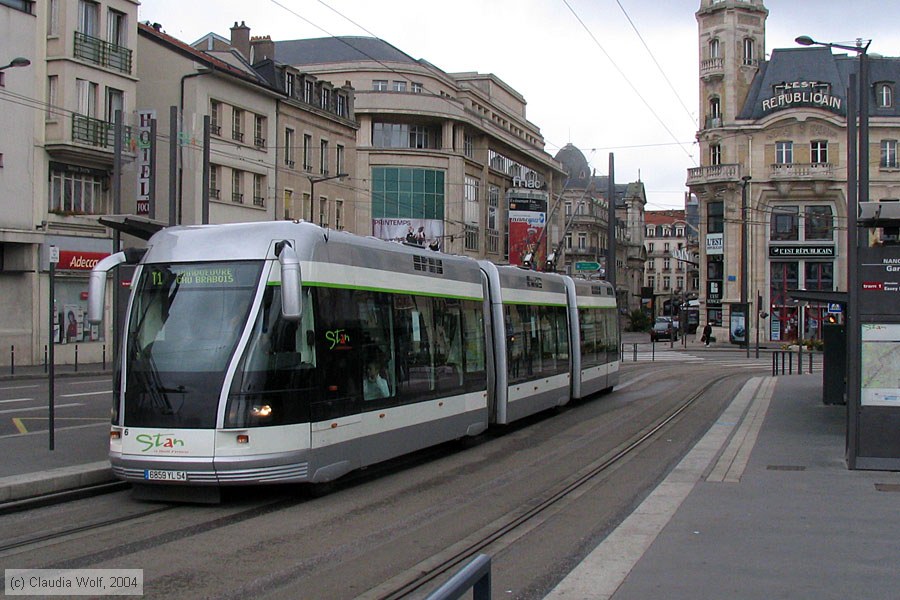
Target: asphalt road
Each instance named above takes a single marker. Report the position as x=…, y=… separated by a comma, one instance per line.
x=387, y=525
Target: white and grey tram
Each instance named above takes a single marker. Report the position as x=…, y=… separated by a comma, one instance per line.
x=283, y=352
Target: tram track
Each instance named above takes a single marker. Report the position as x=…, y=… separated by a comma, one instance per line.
x=504, y=529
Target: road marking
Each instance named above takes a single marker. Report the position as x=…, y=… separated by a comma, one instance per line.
x=88, y=382
x=19, y=425
x=57, y=429
x=15, y=400
x=17, y=387
x=84, y=394
x=18, y=410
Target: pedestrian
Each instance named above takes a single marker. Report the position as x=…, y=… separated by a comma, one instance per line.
x=707, y=334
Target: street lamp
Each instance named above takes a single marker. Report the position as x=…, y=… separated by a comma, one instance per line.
x=312, y=188
x=16, y=62
x=745, y=181
x=857, y=191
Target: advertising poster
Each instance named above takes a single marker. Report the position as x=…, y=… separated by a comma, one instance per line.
x=527, y=220
x=425, y=232
x=880, y=380
x=738, y=324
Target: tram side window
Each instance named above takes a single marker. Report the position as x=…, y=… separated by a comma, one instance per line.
x=588, y=337
x=376, y=326
x=554, y=340
x=473, y=341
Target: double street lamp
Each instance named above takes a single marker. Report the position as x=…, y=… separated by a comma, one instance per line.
x=312, y=189
x=857, y=191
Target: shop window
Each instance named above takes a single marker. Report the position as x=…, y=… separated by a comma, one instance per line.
x=785, y=224
x=818, y=223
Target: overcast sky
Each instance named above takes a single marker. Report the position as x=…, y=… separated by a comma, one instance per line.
x=614, y=76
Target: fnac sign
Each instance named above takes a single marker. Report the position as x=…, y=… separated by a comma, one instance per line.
x=77, y=260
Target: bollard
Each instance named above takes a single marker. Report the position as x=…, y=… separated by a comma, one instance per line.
x=800, y=358
x=790, y=363
x=810, y=363
x=104, y=357
x=635, y=353
x=45, y=358
x=12, y=360
x=76, y=358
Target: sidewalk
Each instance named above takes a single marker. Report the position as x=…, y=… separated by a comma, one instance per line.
x=763, y=507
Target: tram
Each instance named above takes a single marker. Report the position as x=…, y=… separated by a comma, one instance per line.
x=277, y=352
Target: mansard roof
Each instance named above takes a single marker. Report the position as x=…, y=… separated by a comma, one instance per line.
x=338, y=50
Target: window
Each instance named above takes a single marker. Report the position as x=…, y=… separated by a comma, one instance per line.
x=214, y=192
x=88, y=17
x=339, y=165
x=115, y=101
x=237, y=185
x=341, y=108
x=714, y=48
x=889, y=154
x=288, y=203
x=215, y=108
x=416, y=87
x=650, y=247
x=325, y=99
x=818, y=223
x=53, y=17
x=582, y=241
x=289, y=84
x=714, y=118
x=309, y=91
x=785, y=225
x=470, y=192
x=715, y=217
x=323, y=211
x=323, y=157
x=715, y=155
x=380, y=85
x=259, y=190
x=117, y=30
x=77, y=193
x=784, y=153
x=749, y=51
x=289, y=147
x=884, y=95
x=818, y=151
x=339, y=215
x=401, y=135
x=469, y=145
x=666, y=282
x=87, y=97
x=307, y=152
x=667, y=263
x=52, y=96
x=651, y=281
x=237, y=125
x=259, y=131
x=399, y=86
x=568, y=241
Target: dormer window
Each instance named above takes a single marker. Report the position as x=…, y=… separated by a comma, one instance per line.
x=884, y=95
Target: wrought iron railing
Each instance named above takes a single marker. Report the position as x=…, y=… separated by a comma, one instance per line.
x=102, y=53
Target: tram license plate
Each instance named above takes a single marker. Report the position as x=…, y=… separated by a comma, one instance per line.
x=158, y=475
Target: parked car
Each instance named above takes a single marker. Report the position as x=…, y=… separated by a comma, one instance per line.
x=663, y=330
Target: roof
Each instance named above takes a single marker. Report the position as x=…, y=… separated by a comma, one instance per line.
x=338, y=50
x=804, y=66
x=663, y=217
x=243, y=71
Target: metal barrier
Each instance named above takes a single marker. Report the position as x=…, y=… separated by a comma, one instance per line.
x=787, y=356
x=475, y=576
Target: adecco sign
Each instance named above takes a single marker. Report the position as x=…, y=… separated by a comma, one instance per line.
x=75, y=260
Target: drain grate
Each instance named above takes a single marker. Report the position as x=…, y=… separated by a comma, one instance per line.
x=785, y=468
x=887, y=487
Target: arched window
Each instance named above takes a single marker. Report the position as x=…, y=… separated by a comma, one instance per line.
x=884, y=95
x=714, y=48
x=749, y=51
x=714, y=114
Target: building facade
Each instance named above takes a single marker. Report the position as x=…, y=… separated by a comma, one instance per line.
x=53, y=188
x=672, y=271
x=445, y=159
x=772, y=185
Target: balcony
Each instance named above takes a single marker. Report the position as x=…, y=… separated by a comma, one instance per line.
x=237, y=197
x=713, y=173
x=215, y=194
x=712, y=67
x=259, y=201
x=102, y=53
x=591, y=251
x=96, y=132
x=801, y=171
x=713, y=122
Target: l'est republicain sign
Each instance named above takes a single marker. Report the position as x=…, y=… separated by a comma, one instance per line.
x=802, y=251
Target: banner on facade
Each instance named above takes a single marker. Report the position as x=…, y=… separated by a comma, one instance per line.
x=425, y=232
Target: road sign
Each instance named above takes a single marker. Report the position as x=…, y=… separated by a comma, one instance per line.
x=834, y=308
x=54, y=254
x=587, y=266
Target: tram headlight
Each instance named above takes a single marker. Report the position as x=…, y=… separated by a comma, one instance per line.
x=261, y=411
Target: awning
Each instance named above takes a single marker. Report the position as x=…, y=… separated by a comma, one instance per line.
x=139, y=227
x=819, y=296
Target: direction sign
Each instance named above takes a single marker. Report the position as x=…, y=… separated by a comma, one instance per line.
x=587, y=266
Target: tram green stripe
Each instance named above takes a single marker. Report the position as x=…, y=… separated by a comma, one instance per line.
x=520, y=303
x=344, y=286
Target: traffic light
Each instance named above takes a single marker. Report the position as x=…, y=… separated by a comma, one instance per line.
x=831, y=319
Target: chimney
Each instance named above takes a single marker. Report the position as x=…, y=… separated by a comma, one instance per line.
x=262, y=48
x=240, y=39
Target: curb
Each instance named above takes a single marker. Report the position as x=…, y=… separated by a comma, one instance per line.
x=29, y=485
